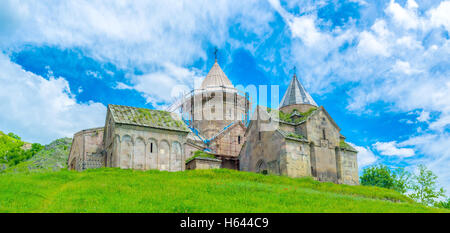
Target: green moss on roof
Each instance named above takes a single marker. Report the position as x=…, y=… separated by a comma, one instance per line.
x=344, y=145
x=287, y=117
x=294, y=135
x=291, y=135
x=200, y=154
x=146, y=117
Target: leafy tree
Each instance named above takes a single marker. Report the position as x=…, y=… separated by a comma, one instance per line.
x=15, y=136
x=380, y=175
x=402, y=180
x=11, y=151
x=424, y=187
x=377, y=175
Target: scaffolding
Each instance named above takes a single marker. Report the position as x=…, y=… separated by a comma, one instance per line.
x=187, y=118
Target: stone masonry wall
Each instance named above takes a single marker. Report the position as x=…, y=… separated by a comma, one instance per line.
x=203, y=163
x=230, y=142
x=148, y=148
x=94, y=161
x=298, y=160
x=214, y=110
x=349, y=167
x=189, y=150
x=264, y=150
x=86, y=144
x=324, y=137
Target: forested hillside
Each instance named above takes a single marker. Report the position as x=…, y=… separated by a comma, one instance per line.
x=18, y=156
x=14, y=151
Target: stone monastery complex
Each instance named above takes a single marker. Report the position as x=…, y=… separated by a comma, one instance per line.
x=298, y=139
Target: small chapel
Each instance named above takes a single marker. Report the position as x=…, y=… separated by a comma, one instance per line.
x=297, y=139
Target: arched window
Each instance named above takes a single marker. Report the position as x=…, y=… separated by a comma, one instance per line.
x=239, y=139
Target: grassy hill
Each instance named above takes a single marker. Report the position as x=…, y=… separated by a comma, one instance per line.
x=52, y=157
x=118, y=190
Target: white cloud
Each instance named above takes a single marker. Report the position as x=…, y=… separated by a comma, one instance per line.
x=304, y=28
x=137, y=32
x=41, y=110
x=441, y=123
x=392, y=149
x=424, y=116
x=375, y=42
x=408, y=42
x=440, y=16
x=122, y=86
x=167, y=84
x=365, y=156
x=404, y=67
x=380, y=28
x=405, y=17
x=371, y=45
x=411, y=4
x=94, y=74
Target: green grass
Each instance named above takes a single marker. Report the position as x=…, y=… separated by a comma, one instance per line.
x=117, y=190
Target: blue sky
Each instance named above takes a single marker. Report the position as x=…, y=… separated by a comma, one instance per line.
x=380, y=68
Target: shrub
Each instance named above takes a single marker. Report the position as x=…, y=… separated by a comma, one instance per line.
x=381, y=176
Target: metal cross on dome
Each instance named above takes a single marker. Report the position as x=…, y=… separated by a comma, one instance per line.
x=215, y=53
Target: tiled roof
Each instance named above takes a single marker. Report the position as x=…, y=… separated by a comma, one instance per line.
x=296, y=94
x=146, y=117
x=216, y=77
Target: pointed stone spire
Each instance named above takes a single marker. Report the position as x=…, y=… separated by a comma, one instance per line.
x=216, y=77
x=296, y=94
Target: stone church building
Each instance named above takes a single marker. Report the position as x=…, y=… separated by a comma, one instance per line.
x=298, y=139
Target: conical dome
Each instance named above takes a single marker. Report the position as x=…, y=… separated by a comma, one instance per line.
x=216, y=77
x=296, y=94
